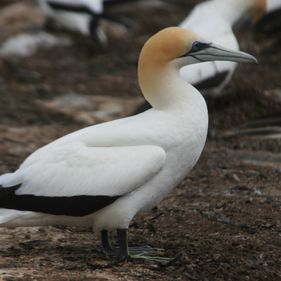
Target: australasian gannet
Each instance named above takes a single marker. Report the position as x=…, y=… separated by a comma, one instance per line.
x=82, y=16
x=91, y=17
x=79, y=16
x=103, y=175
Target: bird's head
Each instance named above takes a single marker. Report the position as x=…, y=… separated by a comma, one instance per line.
x=179, y=46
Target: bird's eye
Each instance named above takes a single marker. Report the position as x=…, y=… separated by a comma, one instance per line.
x=198, y=46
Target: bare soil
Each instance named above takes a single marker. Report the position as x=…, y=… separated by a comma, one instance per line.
x=221, y=223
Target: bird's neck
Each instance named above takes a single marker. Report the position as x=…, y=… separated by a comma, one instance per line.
x=163, y=87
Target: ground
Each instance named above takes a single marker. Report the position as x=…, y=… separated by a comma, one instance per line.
x=221, y=223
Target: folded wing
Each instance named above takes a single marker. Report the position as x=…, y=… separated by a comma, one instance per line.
x=72, y=176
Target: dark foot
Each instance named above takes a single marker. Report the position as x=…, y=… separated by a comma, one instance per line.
x=157, y=259
x=142, y=250
x=133, y=253
x=147, y=253
x=122, y=251
x=106, y=245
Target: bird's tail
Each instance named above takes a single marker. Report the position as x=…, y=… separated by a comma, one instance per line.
x=8, y=215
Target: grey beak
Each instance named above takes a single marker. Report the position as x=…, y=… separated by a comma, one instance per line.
x=217, y=53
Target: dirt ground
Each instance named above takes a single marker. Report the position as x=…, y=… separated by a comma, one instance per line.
x=221, y=223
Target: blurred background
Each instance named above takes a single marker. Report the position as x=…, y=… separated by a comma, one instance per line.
x=223, y=221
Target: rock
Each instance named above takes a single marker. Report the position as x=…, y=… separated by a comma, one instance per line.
x=19, y=17
x=114, y=30
x=25, y=44
x=265, y=128
x=258, y=158
x=90, y=109
x=271, y=98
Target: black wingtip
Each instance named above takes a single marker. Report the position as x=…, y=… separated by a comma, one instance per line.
x=77, y=206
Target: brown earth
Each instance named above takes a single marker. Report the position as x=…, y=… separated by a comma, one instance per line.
x=222, y=223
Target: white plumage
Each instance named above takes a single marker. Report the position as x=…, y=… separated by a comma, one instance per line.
x=115, y=158
x=62, y=169
x=103, y=175
x=273, y=5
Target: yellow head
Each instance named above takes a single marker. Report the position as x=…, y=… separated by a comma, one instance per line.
x=179, y=46
x=167, y=44
x=160, y=50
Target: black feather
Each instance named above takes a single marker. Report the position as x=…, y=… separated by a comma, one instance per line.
x=76, y=206
x=71, y=8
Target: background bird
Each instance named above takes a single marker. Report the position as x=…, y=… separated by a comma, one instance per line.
x=90, y=18
x=270, y=23
x=81, y=16
x=214, y=20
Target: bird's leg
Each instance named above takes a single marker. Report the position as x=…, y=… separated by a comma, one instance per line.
x=106, y=245
x=123, y=251
x=136, y=253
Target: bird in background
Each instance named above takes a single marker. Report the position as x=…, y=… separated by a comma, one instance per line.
x=82, y=16
x=214, y=20
x=270, y=23
x=268, y=126
x=104, y=175
x=90, y=17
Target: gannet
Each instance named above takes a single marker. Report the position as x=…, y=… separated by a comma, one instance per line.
x=214, y=20
x=90, y=17
x=270, y=22
x=81, y=16
x=104, y=175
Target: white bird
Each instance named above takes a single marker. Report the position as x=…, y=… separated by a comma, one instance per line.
x=103, y=175
x=87, y=17
x=80, y=16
